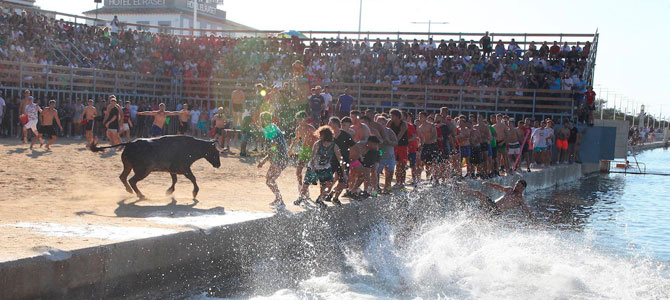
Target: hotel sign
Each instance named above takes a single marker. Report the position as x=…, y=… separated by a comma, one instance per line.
x=203, y=6
x=135, y=2
x=206, y=6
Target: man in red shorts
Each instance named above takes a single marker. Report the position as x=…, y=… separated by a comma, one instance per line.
x=399, y=127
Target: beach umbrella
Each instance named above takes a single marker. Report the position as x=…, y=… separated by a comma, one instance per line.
x=291, y=33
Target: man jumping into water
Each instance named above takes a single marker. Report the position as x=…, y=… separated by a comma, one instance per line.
x=159, y=118
x=512, y=198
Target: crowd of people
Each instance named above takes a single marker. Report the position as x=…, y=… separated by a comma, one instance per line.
x=483, y=63
x=332, y=142
x=641, y=135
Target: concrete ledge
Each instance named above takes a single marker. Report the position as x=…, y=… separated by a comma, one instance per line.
x=280, y=248
x=648, y=146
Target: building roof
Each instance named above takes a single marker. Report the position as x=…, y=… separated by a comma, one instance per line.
x=153, y=11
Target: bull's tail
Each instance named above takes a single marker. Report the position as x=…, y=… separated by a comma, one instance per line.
x=93, y=146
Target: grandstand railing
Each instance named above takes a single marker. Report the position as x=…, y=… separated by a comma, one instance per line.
x=71, y=84
x=523, y=39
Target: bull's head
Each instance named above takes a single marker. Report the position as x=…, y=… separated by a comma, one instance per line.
x=212, y=154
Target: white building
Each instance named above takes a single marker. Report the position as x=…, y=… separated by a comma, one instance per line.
x=167, y=13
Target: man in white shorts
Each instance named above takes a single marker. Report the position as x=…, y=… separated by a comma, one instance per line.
x=32, y=111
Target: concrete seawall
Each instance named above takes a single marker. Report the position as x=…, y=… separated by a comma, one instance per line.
x=649, y=146
x=231, y=256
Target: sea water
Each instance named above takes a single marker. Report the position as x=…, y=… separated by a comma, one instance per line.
x=604, y=237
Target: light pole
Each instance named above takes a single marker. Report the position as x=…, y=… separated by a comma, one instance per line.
x=429, y=23
x=625, y=111
x=601, y=102
x=360, y=16
x=614, y=109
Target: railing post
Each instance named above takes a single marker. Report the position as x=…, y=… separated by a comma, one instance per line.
x=425, y=97
x=391, y=95
x=497, y=98
x=154, y=88
x=21, y=75
x=46, y=81
x=116, y=82
x=136, y=83
x=359, y=94
x=95, y=82
x=534, y=92
x=209, y=89
x=71, y=81
x=572, y=106
x=460, y=100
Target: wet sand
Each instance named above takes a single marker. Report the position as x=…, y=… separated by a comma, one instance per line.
x=71, y=198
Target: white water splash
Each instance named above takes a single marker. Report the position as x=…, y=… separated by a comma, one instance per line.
x=465, y=259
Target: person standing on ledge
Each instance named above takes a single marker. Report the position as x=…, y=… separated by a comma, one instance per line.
x=159, y=119
x=512, y=198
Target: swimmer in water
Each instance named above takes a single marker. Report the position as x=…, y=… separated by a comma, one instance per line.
x=512, y=198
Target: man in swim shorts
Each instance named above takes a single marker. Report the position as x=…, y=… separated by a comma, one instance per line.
x=430, y=150
x=50, y=114
x=304, y=133
x=159, y=119
x=89, y=116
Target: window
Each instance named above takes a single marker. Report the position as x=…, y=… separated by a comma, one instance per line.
x=166, y=24
x=142, y=28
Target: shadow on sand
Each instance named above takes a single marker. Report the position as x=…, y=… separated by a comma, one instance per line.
x=132, y=210
x=17, y=151
x=38, y=153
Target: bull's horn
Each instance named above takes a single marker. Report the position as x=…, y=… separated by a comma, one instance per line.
x=218, y=147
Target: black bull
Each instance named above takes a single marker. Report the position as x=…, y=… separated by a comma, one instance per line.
x=174, y=154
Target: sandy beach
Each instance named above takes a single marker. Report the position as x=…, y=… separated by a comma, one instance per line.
x=70, y=198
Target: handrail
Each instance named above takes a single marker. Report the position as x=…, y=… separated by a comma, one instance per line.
x=329, y=32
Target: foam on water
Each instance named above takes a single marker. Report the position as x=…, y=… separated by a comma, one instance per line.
x=462, y=258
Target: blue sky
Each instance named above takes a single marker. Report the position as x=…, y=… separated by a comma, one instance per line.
x=633, y=34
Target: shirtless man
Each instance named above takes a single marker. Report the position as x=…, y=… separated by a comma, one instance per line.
x=463, y=138
x=484, y=143
x=32, y=110
x=562, y=143
x=401, y=150
x=184, y=119
x=50, y=114
x=159, y=118
x=305, y=133
x=521, y=132
x=113, y=122
x=347, y=125
x=361, y=131
x=512, y=198
x=501, y=131
x=430, y=152
x=237, y=99
x=219, y=123
x=514, y=140
x=378, y=131
x=89, y=115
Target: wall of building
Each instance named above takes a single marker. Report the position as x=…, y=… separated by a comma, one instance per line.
x=176, y=20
